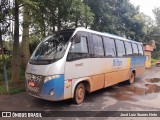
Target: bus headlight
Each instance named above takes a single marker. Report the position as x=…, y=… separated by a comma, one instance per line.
x=51, y=92
x=48, y=78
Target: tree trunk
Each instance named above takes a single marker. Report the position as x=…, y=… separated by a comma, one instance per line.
x=43, y=26
x=53, y=23
x=58, y=19
x=15, y=53
x=3, y=60
x=1, y=46
x=25, y=53
x=76, y=21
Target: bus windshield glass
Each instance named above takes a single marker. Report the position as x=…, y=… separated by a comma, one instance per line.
x=53, y=47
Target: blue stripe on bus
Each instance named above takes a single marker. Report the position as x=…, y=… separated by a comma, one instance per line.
x=137, y=61
x=57, y=85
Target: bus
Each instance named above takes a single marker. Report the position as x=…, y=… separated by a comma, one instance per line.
x=73, y=62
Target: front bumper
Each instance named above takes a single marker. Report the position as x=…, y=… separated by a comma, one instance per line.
x=43, y=89
x=45, y=97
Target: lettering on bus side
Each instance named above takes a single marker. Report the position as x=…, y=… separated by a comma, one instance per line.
x=79, y=65
x=33, y=69
x=117, y=62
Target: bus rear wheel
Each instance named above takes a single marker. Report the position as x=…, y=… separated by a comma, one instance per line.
x=132, y=78
x=79, y=93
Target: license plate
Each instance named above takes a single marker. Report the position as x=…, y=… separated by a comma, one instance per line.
x=31, y=83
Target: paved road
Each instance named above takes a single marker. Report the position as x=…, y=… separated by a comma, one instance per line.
x=143, y=95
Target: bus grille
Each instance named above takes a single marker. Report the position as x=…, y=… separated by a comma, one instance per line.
x=38, y=82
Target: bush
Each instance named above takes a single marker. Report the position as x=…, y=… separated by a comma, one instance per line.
x=14, y=87
x=8, y=67
x=153, y=60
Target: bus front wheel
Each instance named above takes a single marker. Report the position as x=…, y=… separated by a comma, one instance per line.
x=132, y=78
x=79, y=93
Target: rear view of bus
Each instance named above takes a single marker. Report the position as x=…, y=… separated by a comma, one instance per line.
x=73, y=62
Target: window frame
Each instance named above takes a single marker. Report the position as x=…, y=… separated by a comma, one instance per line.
x=106, y=37
x=139, y=50
x=97, y=56
x=117, y=49
x=80, y=41
x=79, y=35
x=135, y=54
x=126, y=48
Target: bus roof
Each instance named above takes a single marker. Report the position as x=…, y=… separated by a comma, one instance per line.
x=106, y=34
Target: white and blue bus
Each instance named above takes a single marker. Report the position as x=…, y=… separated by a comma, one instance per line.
x=74, y=62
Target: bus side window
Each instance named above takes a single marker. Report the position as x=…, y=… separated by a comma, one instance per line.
x=109, y=46
x=128, y=48
x=97, y=46
x=135, y=49
x=80, y=47
x=78, y=50
x=120, y=48
x=140, y=50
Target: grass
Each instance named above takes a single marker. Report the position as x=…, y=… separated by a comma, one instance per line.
x=14, y=88
x=3, y=90
x=153, y=61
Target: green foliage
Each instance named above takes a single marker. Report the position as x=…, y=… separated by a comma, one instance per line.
x=156, y=12
x=34, y=41
x=80, y=14
x=153, y=60
x=5, y=12
x=118, y=17
x=46, y=16
x=155, y=33
x=156, y=53
x=16, y=91
x=14, y=88
x=54, y=14
x=3, y=90
x=8, y=67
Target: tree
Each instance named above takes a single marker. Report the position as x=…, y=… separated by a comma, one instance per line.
x=80, y=14
x=116, y=17
x=156, y=12
x=60, y=14
x=156, y=32
x=4, y=24
x=25, y=53
x=15, y=53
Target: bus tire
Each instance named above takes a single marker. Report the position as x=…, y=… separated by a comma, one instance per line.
x=79, y=94
x=132, y=78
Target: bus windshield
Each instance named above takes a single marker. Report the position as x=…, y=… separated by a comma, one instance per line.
x=53, y=47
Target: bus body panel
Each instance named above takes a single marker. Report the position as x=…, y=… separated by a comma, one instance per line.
x=102, y=72
x=68, y=89
x=92, y=68
x=56, y=85
x=138, y=64
x=75, y=82
x=46, y=70
x=37, y=69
